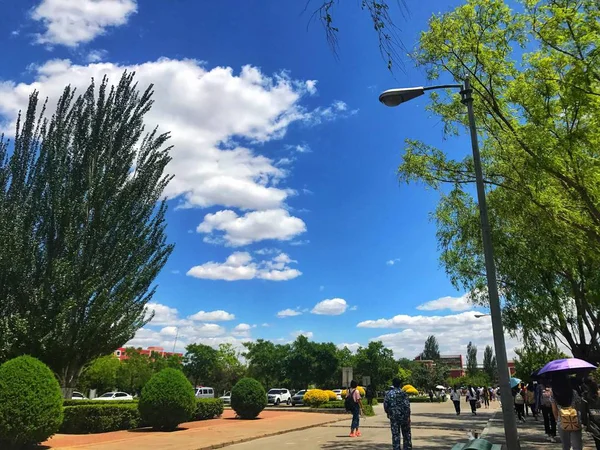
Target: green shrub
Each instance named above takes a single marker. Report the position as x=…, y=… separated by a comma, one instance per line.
x=167, y=400
x=248, y=398
x=420, y=399
x=31, y=407
x=336, y=404
x=208, y=408
x=368, y=409
x=99, y=402
x=100, y=417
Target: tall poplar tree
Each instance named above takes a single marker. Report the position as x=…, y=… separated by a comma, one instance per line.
x=82, y=220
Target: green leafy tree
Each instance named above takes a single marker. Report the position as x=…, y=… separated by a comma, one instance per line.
x=300, y=363
x=200, y=364
x=82, y=216
x=471, y=359
x=160, y=362
x=431, y=350
x=405, y=376
x=100, y=374
x=530, y=359
x=489, y=363
x=266, y=362
x=535, y=80
x=376, y=361
x=326, y=365
x=229, y=369
x=134, y=372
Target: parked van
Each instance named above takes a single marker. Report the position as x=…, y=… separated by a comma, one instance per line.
x=205, y=392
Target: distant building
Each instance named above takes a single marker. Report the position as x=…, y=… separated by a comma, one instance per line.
x=121, y=352
x=454, y=363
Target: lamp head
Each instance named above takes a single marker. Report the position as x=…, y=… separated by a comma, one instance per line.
x=394, y=97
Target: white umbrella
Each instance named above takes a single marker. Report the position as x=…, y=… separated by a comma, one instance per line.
x=440, y=387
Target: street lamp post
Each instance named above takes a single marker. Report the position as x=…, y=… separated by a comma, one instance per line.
x=395, y=97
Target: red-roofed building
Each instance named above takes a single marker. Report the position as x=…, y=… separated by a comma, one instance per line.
x=121, y=352
x=454, y=363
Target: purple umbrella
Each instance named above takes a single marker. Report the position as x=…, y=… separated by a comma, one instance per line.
x=569, y=365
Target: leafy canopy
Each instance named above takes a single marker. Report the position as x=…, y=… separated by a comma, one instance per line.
x=535, y=75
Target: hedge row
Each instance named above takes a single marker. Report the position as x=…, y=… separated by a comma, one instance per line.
x=339, y=404
x=100, y=417
x=415, y=399
x=99, y=402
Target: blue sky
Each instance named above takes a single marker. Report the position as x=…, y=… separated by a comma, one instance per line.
x=285, y=209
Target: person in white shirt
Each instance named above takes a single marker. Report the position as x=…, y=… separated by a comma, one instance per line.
x=455, y=397
x=472, y=399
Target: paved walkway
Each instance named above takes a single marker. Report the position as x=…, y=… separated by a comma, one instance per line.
x=531, y=435
x=434, y=426
x=206, y=434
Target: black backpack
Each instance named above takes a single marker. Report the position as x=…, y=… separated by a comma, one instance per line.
x=349, y=403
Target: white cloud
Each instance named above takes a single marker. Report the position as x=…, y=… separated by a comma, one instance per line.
x=208, y=112
x=461, y=303
x=308, y=334
x=96, y=56
x=267, y=251
x=311, y=86
x=453, y=333
x=242, y=330
x=391, y=262
x=352, y=347
x=163, y=314
x=265, y=325
x=72, y=22
x=241, y=266
x=208, y=335
x=353, y=308
x=301, y=242
x=330, y=307
x=212, y=316
x=254, y=226
x=288, y=313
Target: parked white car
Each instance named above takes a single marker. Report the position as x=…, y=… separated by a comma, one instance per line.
x=277, y=396
x=78, y=396
x=226, y=398
x=338, y=392
x=115, y=396
x=205, y=392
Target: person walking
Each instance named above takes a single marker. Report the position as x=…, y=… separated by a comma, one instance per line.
x=455, y=397
x=472, y=399
x=546, y=407
x=370, y=394
x=519, y=403
x=486, y=397
x=566, y=406
x=354, y=405
x=530, y=396
x=397, y=408
x=591, y=410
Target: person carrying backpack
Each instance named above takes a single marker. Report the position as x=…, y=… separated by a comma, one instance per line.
x=566, y=406
x=397, y=408
x=549, y=420
x=519, y=403
x=353, y=404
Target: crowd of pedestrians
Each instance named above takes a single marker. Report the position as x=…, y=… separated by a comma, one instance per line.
x=568, y=405
x=476, y=397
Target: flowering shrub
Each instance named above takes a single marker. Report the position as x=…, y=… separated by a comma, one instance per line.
x=332, y=395
x=361, y=391
x=315, y=398
x=410, y=390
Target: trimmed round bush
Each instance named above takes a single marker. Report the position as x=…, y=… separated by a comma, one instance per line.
x=248, y=398
x=332, y=396
x=31, y=404
x=167, y=400
x=315, y=398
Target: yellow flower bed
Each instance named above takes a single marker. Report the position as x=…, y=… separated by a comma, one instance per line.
x=332, y=395
x=361, y=391
x=315, y=398
x=410, y=390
